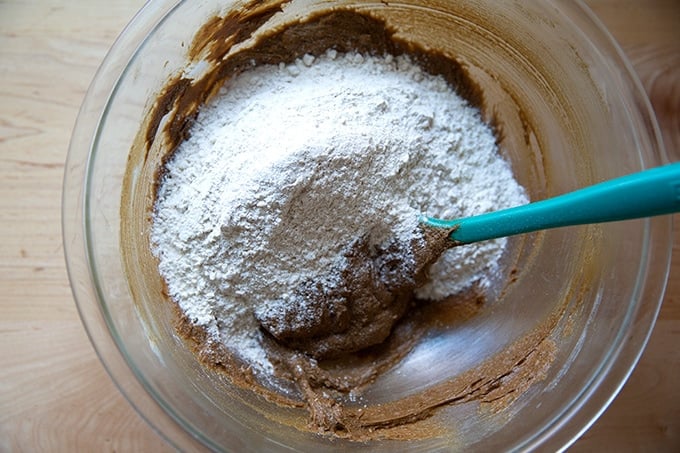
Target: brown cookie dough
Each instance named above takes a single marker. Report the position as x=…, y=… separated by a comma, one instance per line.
x=347, y=334
x=375, y=290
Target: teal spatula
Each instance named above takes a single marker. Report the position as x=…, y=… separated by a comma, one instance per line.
x=645, y=194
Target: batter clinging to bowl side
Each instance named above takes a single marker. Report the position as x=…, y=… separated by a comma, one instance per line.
x=297, y=158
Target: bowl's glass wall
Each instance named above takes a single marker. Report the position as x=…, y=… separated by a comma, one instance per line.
x=571, y=115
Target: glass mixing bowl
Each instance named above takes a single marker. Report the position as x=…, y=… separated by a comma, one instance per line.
x=570, y=112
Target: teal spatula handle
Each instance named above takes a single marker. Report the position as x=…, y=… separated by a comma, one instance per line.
x=645, y=194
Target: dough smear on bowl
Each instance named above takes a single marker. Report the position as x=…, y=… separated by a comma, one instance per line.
x=305, y=149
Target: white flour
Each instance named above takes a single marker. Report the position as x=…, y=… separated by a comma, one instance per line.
x=289, y=164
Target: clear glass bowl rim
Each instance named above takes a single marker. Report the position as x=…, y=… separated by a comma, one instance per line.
x=558, y=435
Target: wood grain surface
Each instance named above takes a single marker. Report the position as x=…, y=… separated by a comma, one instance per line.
x=55, y=394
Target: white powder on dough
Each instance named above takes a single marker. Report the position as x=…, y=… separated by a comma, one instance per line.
x=291, y=163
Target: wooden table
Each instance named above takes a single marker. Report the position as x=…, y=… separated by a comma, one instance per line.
x=54, y=393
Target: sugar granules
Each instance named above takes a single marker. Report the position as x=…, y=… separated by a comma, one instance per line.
x=290, y=163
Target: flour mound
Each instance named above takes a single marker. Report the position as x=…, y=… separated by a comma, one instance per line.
x=290, y=163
